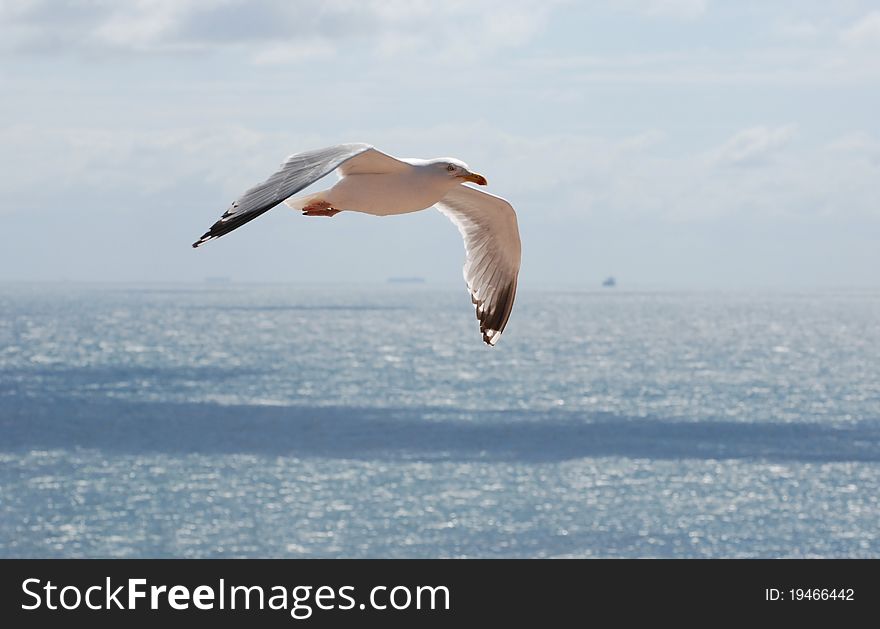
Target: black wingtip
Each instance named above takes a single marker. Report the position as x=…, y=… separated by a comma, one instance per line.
x=230, y=221
x=205, y=238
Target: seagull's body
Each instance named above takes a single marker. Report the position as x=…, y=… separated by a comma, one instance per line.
x=373, y=182
x=383, y=195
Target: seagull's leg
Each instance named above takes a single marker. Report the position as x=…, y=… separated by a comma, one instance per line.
x=319, y=208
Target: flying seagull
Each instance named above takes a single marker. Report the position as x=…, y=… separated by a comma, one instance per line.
x=374, y=182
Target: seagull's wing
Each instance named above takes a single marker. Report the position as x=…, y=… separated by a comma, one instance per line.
x=297, y=172
x=372, y=162
x=491, y=239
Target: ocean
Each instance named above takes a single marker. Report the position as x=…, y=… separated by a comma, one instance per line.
x=300, y=421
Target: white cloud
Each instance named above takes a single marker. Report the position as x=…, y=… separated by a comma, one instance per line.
x=294, y=52
x=858, y=143
x=82, y=165
x=770, y=66
x=752, y=146
x=799, y=29
x=687, y=9
x=271, y=31
x=562, y=176
x=865, y=32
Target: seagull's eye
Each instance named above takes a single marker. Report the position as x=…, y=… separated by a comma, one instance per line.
x=450, y=168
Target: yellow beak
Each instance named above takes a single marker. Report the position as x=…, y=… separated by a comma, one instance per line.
x=476, y=178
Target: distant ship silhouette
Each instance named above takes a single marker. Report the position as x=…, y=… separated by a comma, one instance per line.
x=609, y=282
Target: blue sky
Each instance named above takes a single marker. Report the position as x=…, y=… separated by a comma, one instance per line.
x=672, y=143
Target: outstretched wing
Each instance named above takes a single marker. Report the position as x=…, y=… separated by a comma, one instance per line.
x=297, y=172
x=372, y=162
x=491, y=239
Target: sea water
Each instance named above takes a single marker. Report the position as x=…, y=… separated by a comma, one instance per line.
x=301, y=421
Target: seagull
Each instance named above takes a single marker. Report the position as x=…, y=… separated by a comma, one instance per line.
x=373, y=182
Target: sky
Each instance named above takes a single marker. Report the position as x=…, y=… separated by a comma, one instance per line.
x=670, y=143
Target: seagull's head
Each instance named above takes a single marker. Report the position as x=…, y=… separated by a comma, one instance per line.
x=458, y=170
